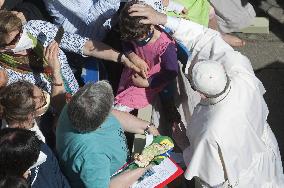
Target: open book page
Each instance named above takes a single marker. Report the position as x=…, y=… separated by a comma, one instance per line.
x=158, y=175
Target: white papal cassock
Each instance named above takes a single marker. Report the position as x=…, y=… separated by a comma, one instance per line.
x=231, y=143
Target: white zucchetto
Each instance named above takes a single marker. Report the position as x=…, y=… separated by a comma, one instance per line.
x=209, y=77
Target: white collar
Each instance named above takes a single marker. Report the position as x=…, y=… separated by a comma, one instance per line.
x=213, y=101
x=41, y=159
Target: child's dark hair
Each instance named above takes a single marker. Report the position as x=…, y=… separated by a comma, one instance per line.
x=19, y=150
x=130, y=28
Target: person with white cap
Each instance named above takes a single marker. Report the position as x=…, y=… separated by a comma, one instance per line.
x=230, y=143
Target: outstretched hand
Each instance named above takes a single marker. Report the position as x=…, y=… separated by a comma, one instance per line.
x=150, y=14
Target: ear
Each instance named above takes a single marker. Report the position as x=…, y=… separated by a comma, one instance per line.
x=31, y=117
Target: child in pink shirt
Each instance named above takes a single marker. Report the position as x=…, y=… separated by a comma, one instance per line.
x=157, y=49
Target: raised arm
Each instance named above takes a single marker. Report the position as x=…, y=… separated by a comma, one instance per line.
x=191, y=34
x=204, y=43
x=45, y=32
x=58, y=90
x=133, y=124
x=127, y=178
x=102, y=51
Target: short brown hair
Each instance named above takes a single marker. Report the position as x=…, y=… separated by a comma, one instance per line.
x=17, y=101
x=90, y=106
x=130, y=28
x=8, y=22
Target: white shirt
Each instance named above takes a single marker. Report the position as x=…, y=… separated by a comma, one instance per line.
x=230, y=140
x=88, y=18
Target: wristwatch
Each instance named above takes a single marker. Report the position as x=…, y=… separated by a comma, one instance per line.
x=146, y=131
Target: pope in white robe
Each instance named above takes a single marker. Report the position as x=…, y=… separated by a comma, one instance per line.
x=231, y=143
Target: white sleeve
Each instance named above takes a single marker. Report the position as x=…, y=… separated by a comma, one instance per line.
x=89, y=10
x=172, y=23
x=192, y=35
x=175, y=7
x=207, y=44
x=77, y=7
x=156, y=4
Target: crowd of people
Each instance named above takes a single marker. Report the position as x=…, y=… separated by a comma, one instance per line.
x=74, y=73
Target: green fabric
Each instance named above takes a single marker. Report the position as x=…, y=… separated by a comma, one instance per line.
x=38, y=48
x=198, y=11
x=89, y=159
x=10, y=60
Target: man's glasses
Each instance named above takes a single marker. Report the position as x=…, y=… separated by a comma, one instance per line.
x=42, y=100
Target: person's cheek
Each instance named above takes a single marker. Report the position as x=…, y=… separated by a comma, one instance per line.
x=3, y=78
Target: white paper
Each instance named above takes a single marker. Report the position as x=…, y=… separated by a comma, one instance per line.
x=24, y=43
x=149, y=140
x=157, y=174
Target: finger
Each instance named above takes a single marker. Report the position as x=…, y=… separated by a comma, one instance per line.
x=56, y=49
x=133, y=77
x=131, y=65
x=51, y=46
x=144, y=74
x=136, y=7
x=139, y=13
x=50, y=51
x=145, y=21
x=135, y=68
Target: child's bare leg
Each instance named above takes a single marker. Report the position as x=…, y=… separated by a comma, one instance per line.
x=230, y=39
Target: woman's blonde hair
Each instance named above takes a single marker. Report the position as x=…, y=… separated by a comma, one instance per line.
x=8, y=22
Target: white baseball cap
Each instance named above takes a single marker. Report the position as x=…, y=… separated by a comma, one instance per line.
x=209, y=77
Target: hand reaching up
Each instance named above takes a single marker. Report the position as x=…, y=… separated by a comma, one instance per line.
x=51, y=56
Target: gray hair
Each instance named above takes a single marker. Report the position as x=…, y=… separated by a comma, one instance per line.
x=90, y=106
